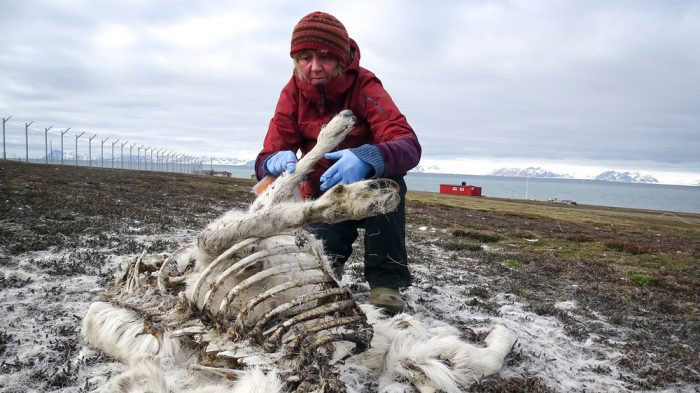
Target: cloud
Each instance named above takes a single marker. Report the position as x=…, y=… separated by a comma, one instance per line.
x=573, y=82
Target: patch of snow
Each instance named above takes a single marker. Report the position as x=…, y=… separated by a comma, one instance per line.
x=566, y=305
x=562, y=362
x=18, y=275
x=489, y=248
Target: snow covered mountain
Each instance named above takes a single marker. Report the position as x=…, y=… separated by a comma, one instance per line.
x=529, y=172
x=417, y=169
x=625, y=177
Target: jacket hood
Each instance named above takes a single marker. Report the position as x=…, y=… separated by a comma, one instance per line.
x=336, y=87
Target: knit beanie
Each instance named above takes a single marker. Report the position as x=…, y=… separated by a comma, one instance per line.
x=321, y=31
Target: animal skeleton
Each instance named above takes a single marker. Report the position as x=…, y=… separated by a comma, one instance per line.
x=254, y=300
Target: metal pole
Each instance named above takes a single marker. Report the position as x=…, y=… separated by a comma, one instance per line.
x=102, y=165
x=131, y=156
x=121, y=154
x=26, y=140
x=62, y=134
x=46, y=143
x=90, y=151
x=113, y=143
x=138, y=157
x=76, y=147
x=4, y=153
x=145, y=157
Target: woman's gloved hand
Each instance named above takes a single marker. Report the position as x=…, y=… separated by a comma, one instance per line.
x=347, y=170
x=281, y=161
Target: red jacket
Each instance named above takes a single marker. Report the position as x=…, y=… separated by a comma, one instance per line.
x=303, y=109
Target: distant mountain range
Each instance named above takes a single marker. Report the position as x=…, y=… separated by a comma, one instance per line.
x=621, y=177
x=625, y=177
x=227, y=161
x=529, y=172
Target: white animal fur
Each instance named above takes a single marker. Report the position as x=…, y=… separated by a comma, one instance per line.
x=145, y=376
x=121, y=333
x=433, y=359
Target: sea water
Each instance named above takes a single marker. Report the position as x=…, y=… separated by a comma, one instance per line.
x=583, y=191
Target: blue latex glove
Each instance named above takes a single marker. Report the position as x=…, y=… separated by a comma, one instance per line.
x=281, y=161
x=347, y=170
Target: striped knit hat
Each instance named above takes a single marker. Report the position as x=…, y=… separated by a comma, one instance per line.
x=321, y=31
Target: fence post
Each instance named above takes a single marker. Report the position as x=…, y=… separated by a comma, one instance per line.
x=46, y=143
x=121, y=155
x=76, y=147
x=90, y=150
x=26, y=140
x=152, y=158
x=113, y=143
x=145, y=157
x=131, y=156
x=138, y=157
x=4, y=120
x=62, y=134
x=102, y=165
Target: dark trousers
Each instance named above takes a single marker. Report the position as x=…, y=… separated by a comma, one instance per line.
x=386, y=264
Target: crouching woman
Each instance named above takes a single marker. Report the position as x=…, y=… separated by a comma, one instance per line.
x=327, y=78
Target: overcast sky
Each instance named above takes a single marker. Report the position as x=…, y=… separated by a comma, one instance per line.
x=578, y=86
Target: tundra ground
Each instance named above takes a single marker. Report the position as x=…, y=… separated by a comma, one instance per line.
x=601, y=299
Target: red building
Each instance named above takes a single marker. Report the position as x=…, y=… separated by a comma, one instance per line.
x=464, y=189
